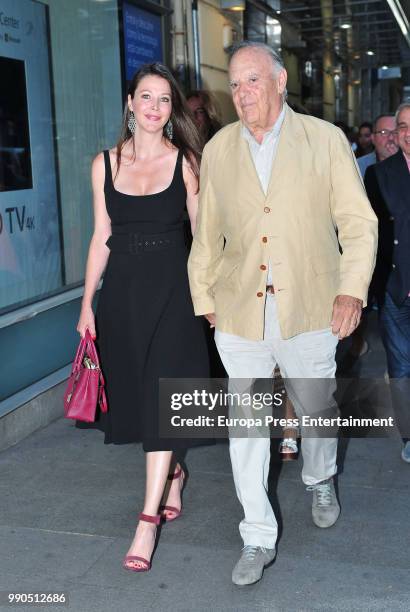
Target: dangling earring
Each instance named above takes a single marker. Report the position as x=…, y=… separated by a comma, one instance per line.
x=131, y=122
x=169, y=130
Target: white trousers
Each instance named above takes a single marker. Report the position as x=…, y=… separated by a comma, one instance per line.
x=307, y=355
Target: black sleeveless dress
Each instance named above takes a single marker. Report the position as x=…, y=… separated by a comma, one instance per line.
x=146, y=327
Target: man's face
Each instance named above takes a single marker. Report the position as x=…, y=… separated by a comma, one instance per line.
x=384, y=138
x=365, y=138
x=256, y=91
x=403, y=131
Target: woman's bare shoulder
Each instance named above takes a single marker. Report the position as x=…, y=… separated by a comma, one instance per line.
x=98, y=166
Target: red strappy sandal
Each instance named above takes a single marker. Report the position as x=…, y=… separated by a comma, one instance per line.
x=177, y=511
x=147, y=564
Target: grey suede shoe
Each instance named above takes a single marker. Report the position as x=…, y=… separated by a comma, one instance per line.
x=251, y=564
x=325, y=507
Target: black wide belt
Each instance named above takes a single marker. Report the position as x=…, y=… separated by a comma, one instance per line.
x=136, y=242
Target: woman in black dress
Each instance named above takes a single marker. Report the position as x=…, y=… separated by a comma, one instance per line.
x=145, y=319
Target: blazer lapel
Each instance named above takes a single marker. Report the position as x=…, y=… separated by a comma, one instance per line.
x=290, y=134
x=247, y=168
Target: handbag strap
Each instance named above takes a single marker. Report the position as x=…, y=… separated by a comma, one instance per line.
x=92, y=353
x=102, y=398
x=91, y=350
x=79, y=356
x=86, y=345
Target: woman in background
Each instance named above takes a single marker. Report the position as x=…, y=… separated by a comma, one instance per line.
x=206, y=113
x=207, y=118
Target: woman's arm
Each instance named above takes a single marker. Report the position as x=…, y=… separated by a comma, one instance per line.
x=98, y=252
x=192, y=199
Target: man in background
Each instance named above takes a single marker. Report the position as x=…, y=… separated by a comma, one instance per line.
x=388, y=188
x=383, y=139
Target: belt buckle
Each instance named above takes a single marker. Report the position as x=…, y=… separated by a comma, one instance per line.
x=134, y=243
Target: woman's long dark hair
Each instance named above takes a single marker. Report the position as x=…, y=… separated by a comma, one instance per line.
x=186, y=136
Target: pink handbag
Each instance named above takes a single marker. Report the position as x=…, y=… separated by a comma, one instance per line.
x=85, y=387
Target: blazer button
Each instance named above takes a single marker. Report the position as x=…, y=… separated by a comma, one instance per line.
x=264, y=239
x=259, y=294
x=266, y=209
x=396, y=241
x=391, y=218
x=262, y=267
x=393, y=266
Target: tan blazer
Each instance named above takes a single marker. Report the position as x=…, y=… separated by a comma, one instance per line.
x=315, y=201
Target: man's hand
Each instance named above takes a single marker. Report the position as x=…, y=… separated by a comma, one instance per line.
x=346, y=315
x=210, y=317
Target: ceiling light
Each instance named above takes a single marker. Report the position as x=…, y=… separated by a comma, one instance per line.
x=345, y=26
x=385, y=67
x=400, y=16
x=370, y=52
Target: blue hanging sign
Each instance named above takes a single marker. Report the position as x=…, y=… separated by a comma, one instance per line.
x=142, y=38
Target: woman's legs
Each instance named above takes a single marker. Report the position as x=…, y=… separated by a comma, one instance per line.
x=157, y=469
x=173, y=491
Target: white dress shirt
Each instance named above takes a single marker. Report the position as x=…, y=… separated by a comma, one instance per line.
x=263, y=156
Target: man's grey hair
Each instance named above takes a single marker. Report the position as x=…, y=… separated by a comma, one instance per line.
x=277, y=60
x=249, y=44
x=401, y=107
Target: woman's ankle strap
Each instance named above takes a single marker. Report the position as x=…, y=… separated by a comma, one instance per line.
x=175, y=475
x=148, y=518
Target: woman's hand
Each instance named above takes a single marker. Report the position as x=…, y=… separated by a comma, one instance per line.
x=211, y=318
x=86, y=320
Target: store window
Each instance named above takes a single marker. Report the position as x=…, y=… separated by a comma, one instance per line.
x=30, y=249
x=63, y=71
x=66, y=65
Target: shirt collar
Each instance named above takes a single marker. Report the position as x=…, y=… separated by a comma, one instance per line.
x=274, y=131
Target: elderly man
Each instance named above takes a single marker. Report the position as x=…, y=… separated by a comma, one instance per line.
x=384, y=141
x=388, y=188
x=265, y=268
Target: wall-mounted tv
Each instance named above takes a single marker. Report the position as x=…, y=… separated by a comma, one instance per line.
x=15, y=155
